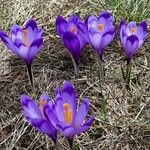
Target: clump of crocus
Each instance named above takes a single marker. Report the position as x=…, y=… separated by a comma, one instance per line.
x=64, y=114
x=24, y=42
x=74, y=35
x=101, y=32
x=35, y=115
x=132, y=37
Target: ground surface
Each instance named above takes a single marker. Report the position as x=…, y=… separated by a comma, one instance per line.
x=122, y=118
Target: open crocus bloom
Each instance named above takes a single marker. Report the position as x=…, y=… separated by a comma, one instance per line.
x=73, y=34
x=25, y=42
x=65, y=115
x=101, y=31
x=35, y=115
x=132, y=37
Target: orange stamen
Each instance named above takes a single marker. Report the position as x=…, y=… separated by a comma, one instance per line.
x=73, y=29
x=100, y=27
x=67, y=113
x=25, y=38
x=133, y=30
x=42, y=104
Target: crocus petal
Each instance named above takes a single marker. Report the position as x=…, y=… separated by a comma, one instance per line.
x=31, y=23
x=61, y=25
x=59, y=109
x=105, y=14
x=16, y=32
x=105, y=18
x=22, y=50
x=131, y=46
x=39, y=33
x=31, y=35
x=92, y=22
x=82, y=34
x=131, y=24
x=69, y=96
x=38, y=43
x=72, y=43
x=141, y=32
x=122, y=24
x=30, y=109
x=68, y=132
x=50, y=114
x=81, y=113
x=106, y=39
x=45, y=97
x=85, y=126
x=143, y=24
x=7, y=41
x=96, y=40
x=45, y=127
x=108, y=26
x=32, y=31
x=34, y=49
x=122, y=31
x=73, y=18
x=49, y=129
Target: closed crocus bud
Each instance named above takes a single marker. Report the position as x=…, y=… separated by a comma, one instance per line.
x=101, y=31
x=132, y=37
x=24, y=42
x=64, y=114
x=74, y=35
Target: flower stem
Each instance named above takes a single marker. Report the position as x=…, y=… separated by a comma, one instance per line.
x=30, y=76
x=123, y=73
x=70, y=140
x=101, y=69
x=128, y=75
x=75, y=64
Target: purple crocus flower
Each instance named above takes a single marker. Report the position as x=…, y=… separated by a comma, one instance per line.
x=35, y=115
x=101, y=31
x=132, y=37
x=73, y=34
x=64, y=114
x=25, y=42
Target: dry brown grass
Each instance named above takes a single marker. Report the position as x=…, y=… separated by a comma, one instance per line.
x=122, y=118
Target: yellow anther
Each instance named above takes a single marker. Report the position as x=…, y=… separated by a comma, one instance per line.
x=133, y=30
x=42, y=104
x=25, y=37
x=73, y=29
x=67, y=113
x=100, y=27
